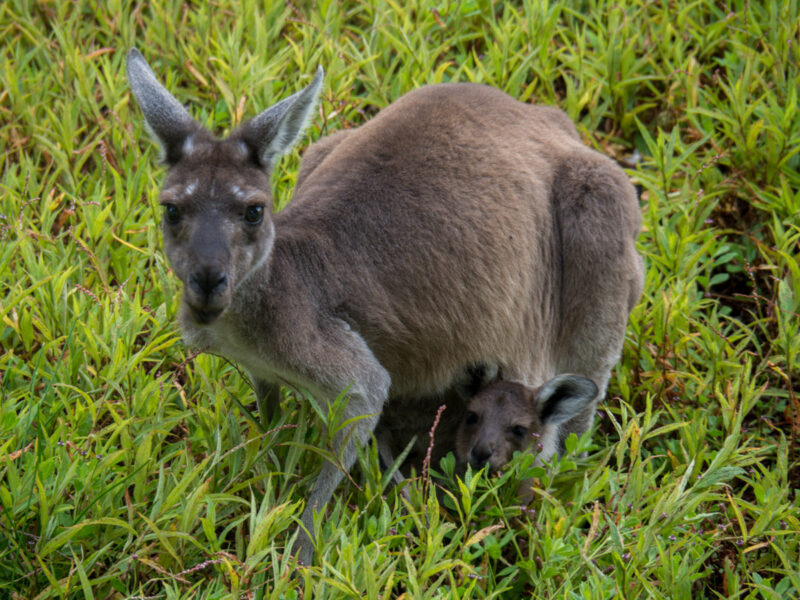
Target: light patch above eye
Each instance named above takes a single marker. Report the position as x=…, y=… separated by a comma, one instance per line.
x=248, y=194
x=238, y=192
x=179, y=192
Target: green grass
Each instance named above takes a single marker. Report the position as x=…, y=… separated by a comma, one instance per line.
x=130, y=468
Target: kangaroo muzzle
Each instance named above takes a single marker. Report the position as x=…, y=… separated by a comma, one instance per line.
x=207, y=294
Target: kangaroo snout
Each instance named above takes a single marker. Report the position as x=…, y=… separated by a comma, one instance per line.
x=479, y=456
x=208, y=282
x=207, y=294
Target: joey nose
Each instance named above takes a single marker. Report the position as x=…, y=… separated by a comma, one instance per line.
x=480, y=456
x=207, y=282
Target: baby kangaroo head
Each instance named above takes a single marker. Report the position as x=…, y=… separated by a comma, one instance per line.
x=217, y=219
x=507, y=417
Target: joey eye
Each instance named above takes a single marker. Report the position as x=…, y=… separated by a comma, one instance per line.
x=518, y=431
x=471, y=418
x=254, y=214
x=171, y=214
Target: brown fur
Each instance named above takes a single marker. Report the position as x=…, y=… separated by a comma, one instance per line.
x=507, y=417
x=457, y=227
x=489, y=433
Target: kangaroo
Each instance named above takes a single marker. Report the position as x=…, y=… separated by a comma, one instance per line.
x=507, y=417
x=457, y=227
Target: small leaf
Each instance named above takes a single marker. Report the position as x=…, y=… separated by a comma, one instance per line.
x=571, y=443
x=478, y=536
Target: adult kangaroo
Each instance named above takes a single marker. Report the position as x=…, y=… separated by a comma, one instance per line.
x=458, y=227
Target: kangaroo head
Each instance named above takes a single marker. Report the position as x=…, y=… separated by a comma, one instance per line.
x=217, y=205
x=507, y=417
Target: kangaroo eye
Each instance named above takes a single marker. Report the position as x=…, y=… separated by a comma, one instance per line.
x=471, y=418
x=518, y=431
x=171, y=214
x=254, y=214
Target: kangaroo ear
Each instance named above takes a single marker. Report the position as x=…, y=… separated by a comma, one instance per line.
x=475, y=378
x=166, y=118
x=564, y=397
x=274, y=131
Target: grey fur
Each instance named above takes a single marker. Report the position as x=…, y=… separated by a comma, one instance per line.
x=457, y=227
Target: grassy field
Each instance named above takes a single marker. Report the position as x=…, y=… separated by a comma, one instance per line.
x=132, y=468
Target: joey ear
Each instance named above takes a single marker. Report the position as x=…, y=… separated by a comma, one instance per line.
x=274, y=131
x=475, y=378
x=166, y=118
x=564, y=397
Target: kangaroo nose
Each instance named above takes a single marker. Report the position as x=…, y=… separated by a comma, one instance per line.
x=480, y=456
x=207, y=282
